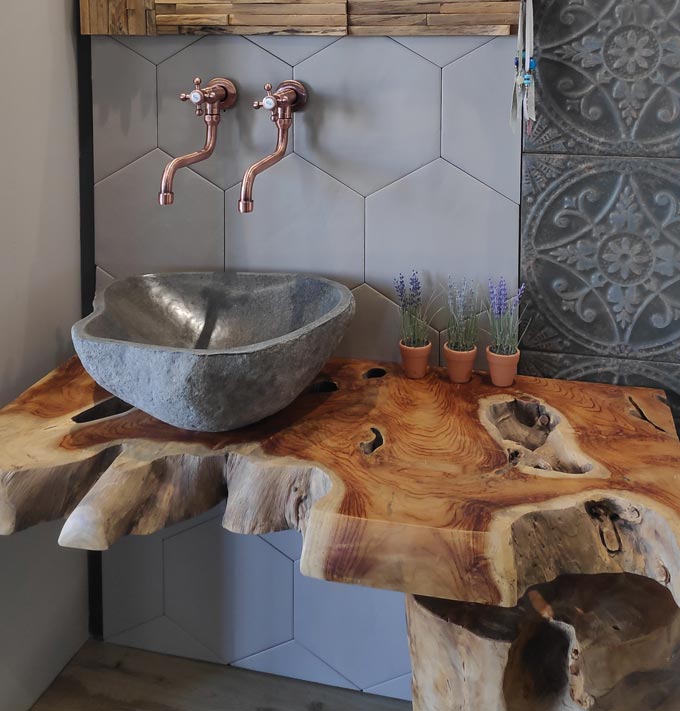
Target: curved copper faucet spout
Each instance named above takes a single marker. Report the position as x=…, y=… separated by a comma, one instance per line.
x=283, y=124
x=166, y=195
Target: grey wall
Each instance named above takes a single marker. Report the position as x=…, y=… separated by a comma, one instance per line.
x=404, y=159
x=601, y=235
x=43, y=590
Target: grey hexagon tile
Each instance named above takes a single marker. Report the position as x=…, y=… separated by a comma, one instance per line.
x=619, y=371
x=124, y=106
x=319, y=224
x=103, y=278
x=376, y=329
x=166, y=637
x=136, y=235
x=244, y=135
x=232, y=572
x=607, y=78
x=132, y=580
x=360, y=632
x=442, y=50
x=601, y=256
x=399, y=688
x=355, y=127
x=440, y=221
x=294, y=49
x=476, y=133
x=293, y=660
x=158, y=49
x=287, y=542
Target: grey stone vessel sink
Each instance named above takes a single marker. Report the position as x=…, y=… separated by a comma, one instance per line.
x=212, y=351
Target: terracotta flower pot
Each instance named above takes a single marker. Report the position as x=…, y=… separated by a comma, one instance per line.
x=502, y=368
x=415, y=360
x=459, y=364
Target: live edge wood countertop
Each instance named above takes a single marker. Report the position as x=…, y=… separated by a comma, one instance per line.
x=464, y=492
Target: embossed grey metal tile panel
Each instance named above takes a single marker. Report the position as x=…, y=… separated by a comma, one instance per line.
x=607, y=79
x=601, y=256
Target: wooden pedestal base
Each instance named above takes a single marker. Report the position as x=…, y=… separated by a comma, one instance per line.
x=600, y=642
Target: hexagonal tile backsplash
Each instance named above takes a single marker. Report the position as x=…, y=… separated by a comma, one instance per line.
x=368, y=191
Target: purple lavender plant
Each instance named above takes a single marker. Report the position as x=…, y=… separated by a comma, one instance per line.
x=505, y=317
x=413, y=323
x=463, y=311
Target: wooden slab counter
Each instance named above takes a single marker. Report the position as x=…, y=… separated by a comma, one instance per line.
x=509, y=517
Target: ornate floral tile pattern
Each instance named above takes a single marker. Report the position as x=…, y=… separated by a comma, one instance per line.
x=601, y=255
x=608, y=77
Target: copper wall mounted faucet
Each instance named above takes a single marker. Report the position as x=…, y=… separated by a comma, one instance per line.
x=290, y=96
x=219, y=95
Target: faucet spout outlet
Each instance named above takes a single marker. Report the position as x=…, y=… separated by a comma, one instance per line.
x=289, y=97
x=209, y=103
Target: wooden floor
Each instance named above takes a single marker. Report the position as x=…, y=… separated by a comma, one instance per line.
x=105, y=677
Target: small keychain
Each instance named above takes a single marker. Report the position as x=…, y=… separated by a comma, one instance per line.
x=524, y=94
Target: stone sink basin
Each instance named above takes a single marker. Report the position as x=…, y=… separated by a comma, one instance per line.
x=212, y=351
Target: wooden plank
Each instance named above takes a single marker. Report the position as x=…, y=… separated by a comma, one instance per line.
x=475, y=20
x=287, y=8
x=136, y=17
x=391, y=7
x=429, y=30
x=85, y=17
x=99, y=17
x=107, y=677
x=481, y=8
x=238, y=2
x=188, y=20
x=117, y=22
x=284, y=8
x=243, y=20
x=390, y=20
x=338, y=31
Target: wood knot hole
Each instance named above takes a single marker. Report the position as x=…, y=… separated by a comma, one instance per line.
x=374, y=373
x=324, y=386
x=373, y=444
x=607, y=519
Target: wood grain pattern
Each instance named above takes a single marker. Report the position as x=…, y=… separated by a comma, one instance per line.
x=315, y=17
x=386, y=478
x=419, y=17
x=602, y=642
x=536, y=529
x=107, y=677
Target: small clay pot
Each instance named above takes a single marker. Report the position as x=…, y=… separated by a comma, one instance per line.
x=415, y=360
x=502, y=368
x=459, y=364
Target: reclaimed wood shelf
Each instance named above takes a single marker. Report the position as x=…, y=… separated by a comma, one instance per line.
x=298, y=17
x=535, y=530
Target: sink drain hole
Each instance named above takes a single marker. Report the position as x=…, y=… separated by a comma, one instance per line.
x=377, y=441
x=375, y=373
x=324, y=386
x=102, y=410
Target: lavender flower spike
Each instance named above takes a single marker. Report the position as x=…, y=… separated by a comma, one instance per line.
x=400, y=287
